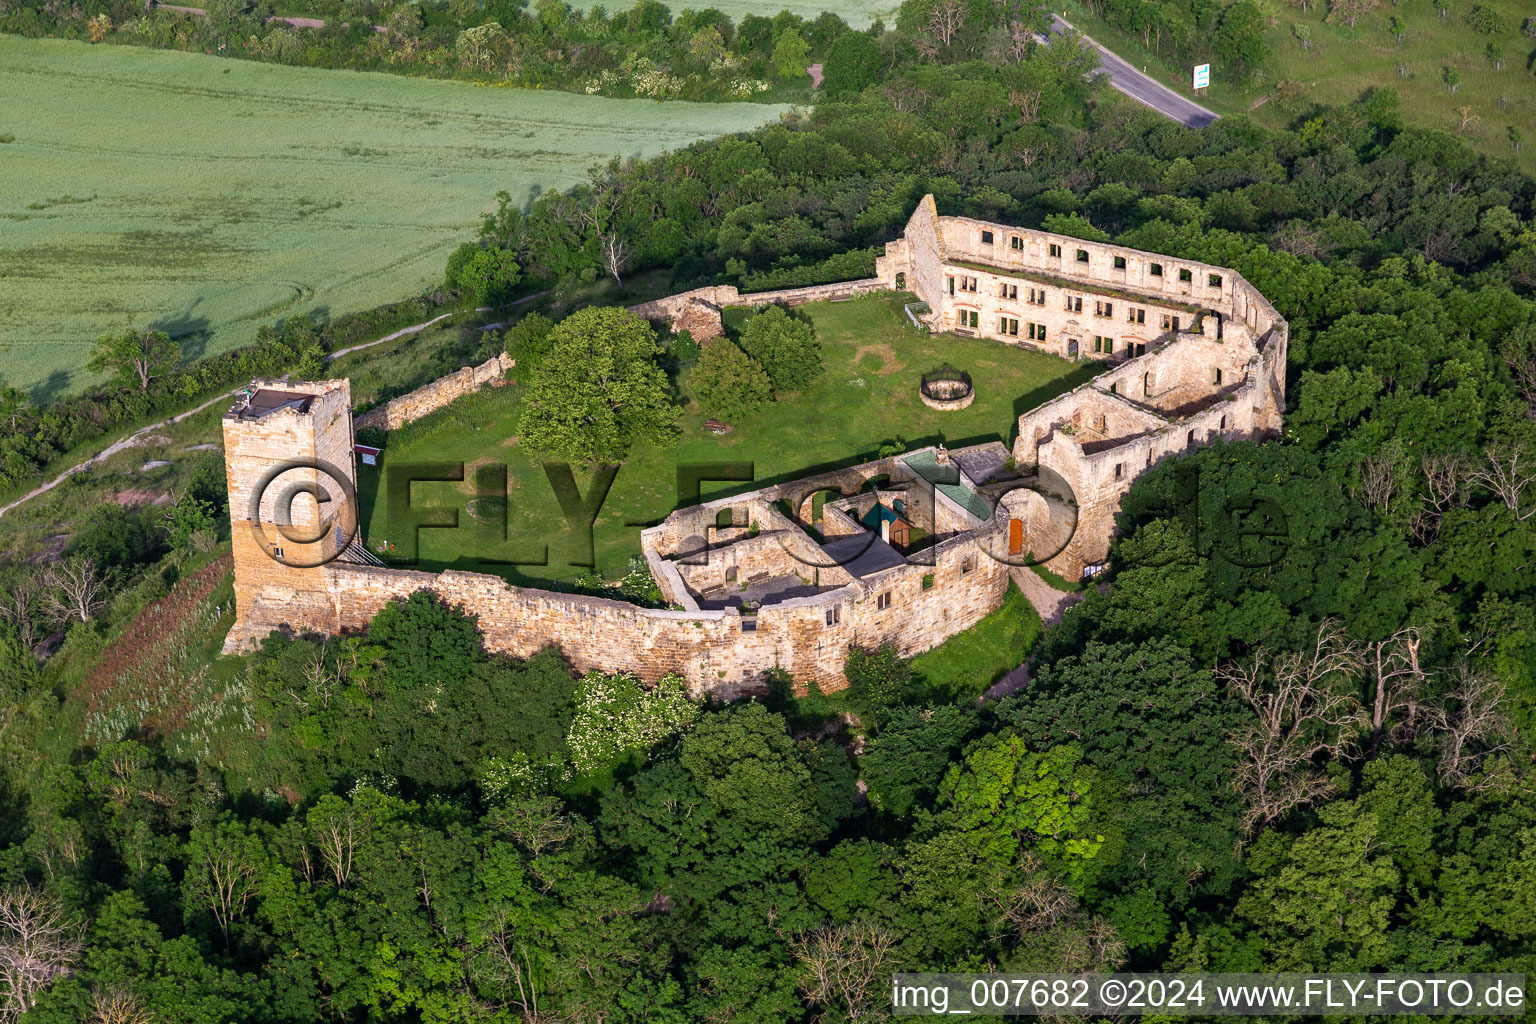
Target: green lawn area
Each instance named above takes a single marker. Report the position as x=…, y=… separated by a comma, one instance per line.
x=1343, y=62
x=963, y=666
x=867, y=396
x=209, y=196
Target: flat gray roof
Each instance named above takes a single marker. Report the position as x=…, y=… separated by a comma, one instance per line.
x=863, y=554
x=267, y=400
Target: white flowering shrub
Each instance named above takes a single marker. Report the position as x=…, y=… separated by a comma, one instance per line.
x=617, y=713
x=518, y=775
x=648, y=78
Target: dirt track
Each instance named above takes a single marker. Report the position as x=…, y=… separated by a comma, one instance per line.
x=132, y=439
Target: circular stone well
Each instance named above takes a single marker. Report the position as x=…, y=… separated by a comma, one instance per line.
x=946, y=389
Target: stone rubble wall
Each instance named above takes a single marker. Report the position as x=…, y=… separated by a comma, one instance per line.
x=431, y=397
x=690, y=310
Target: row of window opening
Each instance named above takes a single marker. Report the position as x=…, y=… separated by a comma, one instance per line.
x=1186, y=276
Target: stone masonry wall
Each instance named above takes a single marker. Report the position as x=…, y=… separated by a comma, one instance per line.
x=713, y=650
x=681, y=311
x=430, y=397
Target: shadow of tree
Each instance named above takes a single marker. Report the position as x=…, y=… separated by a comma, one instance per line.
x=57, y=383
x=189, y=330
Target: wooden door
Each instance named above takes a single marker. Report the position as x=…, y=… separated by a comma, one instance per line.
x=1015, y=536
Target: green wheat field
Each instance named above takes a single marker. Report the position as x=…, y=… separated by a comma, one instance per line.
x=210, y=196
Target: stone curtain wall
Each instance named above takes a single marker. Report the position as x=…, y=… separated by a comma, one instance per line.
x=711, y=649
x=688, y=310
x=430, y=397
x=697, y=311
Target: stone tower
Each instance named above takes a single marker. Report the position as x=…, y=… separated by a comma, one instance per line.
x=292, y=501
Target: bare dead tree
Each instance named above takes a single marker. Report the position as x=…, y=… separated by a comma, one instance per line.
x=39, y=942
x=77, y=588
x=907, y=98
x=223, y=876
x=337, y=834
x=615, y=252
x=122, y=772
x=1048, y=927
x=1041, y=902
x=1306, y=709
x=21, y=604
x=1020, y=41
x=502, y=964
x=535, y=825
x=1094, y=946
x=1300, y=238
x=117, y=1005
x=845, y=966
x=1027, y=103
x=57, y=841
x=1508, y=471
x=1440, y=244
x=1521, y=360
x=1397, y=682
x=1379, y=482
x=1473, y=725
x=947, y=19
x=320, y=680
x=600, y=215
x=1445, y=478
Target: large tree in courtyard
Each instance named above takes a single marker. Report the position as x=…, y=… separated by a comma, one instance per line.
x=785, y=346
x=727, y=383
x=598, y=390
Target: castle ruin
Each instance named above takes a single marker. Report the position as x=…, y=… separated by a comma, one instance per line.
x=909, y=549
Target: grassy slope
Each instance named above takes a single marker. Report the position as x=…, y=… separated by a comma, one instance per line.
x=867, y=395
x=969, y=662
x=210, y=196
x=1343, y=62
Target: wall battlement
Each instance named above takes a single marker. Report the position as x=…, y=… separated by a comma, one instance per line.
x=907, y=550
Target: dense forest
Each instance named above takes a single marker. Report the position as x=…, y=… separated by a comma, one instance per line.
x=1320, y=763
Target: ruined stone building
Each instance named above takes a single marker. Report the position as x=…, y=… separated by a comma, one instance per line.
x=907, y=550
x=1191, y=351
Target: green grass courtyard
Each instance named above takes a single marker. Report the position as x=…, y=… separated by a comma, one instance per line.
x=867, y=396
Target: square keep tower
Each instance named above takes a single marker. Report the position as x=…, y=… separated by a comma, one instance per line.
x=292, y=495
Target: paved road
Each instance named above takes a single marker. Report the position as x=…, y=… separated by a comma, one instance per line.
x=1140, y=87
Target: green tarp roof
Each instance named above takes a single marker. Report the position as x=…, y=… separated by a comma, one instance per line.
x=946, y=479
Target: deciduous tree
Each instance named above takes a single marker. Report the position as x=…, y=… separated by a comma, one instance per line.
x=135, y=358
x=727, y=383
x=785, y=346
x=598, y=390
